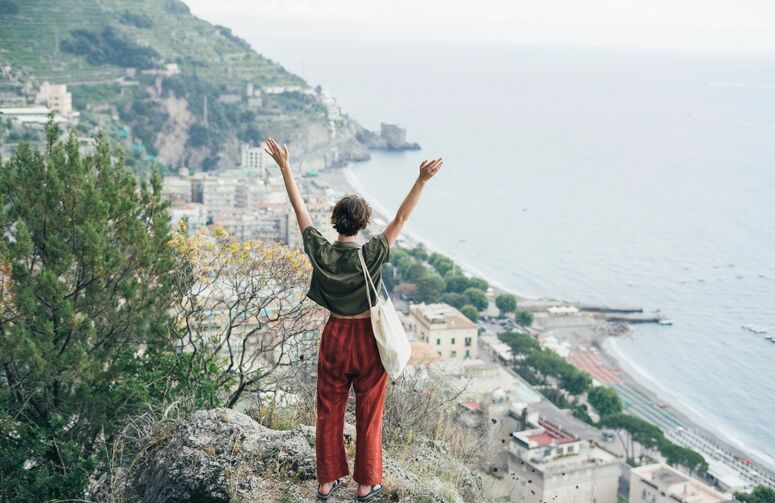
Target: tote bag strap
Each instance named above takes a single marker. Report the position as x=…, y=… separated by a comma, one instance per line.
x=368, y=279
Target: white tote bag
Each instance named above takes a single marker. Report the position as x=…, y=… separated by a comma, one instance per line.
x=393, y=345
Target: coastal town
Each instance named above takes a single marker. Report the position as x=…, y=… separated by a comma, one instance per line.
x=540, y=451
x=556, y=417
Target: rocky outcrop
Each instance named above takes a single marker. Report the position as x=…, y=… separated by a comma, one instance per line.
x=390, y=137
x=219, y=456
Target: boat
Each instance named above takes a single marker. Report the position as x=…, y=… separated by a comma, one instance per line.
x=665, y=322
x=756, y=328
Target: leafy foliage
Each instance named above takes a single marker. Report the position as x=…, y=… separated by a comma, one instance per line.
x=109, y=47
x=476, y=298
x=244, y=300
x=524, y=317
x=430, y=286
x=760, y=494
x=441, y=263
x=605, y=400
x=86, y=284
x=470, y=312
x=506, y=303
x=457, y=300
x=138, y=20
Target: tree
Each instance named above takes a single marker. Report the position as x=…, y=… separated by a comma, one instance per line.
x=456, y=282
x=86, y=283
x=520, y=343
x=476, y=298
x=478, y=283
x=244, y=300
x=640, y=431
x=441, y=263
x=506, y=303
x=574, y=381
x=430, y=286
x=470, y=312
x=419, y=252
x=416, y=271
x=677, y=455
x=457, y=300
x=760, y=494
x=605, y=400
x=524, y=317
x=402, y=261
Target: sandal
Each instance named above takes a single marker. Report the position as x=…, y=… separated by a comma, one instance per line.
x=375, y=490
x=334, y=487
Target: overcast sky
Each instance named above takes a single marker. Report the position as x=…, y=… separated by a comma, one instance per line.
x=731, y=25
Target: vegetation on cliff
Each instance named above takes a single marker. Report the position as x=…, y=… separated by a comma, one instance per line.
x=185, y=92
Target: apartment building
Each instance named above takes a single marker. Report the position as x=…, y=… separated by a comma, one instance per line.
x=446, y=329
x=659, y=483
x=547, y=463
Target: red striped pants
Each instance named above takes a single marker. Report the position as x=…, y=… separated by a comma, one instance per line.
x=349, y=356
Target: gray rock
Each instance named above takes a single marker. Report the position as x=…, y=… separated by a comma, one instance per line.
x=220, y=455
x=216, y=455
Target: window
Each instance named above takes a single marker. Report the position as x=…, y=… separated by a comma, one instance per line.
x=438, y=342
x=468, y=353
x=452, y=341
x=453, y=353
x=468, y=341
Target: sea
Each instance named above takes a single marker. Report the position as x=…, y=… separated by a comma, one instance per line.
x=619, y=177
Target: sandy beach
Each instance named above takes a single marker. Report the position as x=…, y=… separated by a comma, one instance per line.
x=589, y=343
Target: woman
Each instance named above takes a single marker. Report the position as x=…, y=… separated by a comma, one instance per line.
x=348, y=352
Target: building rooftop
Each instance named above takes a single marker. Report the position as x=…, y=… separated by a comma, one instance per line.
x=546, y=434
x=25, y=111
x=441, y=317
x=679, y=486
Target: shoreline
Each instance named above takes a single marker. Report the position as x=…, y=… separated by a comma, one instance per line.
x=344, y=180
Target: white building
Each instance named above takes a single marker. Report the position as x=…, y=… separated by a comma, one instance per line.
x=56, y=97
x=659, y=483
x=253, y=158
x=445, y=328
x=29, y=115
x=266, y=223
x=549, y=464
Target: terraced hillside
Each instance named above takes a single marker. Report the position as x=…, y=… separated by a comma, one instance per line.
x=177, y=89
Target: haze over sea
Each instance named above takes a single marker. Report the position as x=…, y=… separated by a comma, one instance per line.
x=624, y=178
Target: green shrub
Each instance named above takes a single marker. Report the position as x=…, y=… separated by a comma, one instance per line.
x=470, y=312
x=476, y=298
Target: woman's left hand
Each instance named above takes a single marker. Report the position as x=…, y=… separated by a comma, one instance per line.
x=278, y=153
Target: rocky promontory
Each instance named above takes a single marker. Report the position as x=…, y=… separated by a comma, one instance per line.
x=220, y=456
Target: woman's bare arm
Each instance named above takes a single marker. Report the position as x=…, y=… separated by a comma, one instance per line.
x=427, y=170
x=281, y=157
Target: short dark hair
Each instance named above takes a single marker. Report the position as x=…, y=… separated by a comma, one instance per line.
x=351, y=214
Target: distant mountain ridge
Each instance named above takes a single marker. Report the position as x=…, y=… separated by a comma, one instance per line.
x=177, y=89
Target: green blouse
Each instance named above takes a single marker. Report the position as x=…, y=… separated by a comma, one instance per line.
x=337, y=277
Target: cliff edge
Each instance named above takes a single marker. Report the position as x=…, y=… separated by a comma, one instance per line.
x=220, y=455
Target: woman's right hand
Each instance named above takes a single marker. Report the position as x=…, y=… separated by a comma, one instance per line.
x=430, y=168
x=278, y=153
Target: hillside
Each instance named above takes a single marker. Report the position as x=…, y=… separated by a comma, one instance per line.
x=175, y=89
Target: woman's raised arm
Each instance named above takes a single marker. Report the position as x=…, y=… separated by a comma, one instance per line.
x=281, y=157
x=427, y=170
